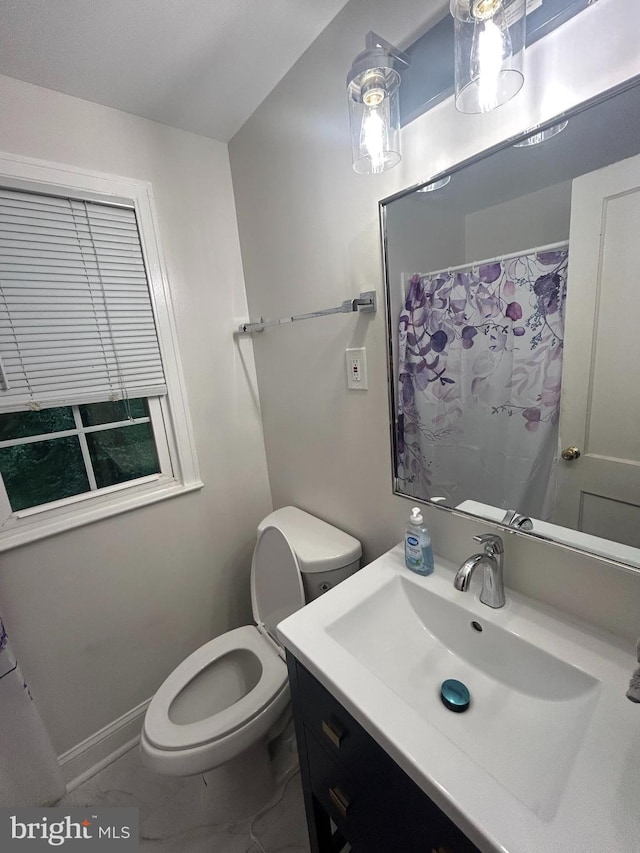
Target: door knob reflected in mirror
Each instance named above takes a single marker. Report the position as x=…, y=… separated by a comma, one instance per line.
x=569, y=454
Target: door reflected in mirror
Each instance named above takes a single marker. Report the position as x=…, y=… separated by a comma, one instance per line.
x=512, y=292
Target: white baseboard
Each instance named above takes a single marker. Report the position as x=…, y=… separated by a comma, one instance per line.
x=83, y=761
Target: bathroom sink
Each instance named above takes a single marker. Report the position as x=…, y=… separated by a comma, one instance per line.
x=427, y=624
x=529, y=708
x=547, y=755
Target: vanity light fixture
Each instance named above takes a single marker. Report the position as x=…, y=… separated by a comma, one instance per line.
x=489, y=42
x=542, y=135
x=373, y=85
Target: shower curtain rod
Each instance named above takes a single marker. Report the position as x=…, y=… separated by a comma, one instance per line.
x=552, y=247
x=366, y=303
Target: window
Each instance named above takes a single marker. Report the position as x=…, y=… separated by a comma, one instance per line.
x=92, y=413
x=56, y=453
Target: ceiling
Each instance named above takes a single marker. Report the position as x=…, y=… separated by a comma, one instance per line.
x=200, y=65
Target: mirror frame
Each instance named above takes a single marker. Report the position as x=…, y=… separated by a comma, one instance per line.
x=391, y=379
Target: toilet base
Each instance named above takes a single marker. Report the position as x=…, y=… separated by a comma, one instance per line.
x=240, y=787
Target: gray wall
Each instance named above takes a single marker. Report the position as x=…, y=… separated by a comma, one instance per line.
x=309, y=237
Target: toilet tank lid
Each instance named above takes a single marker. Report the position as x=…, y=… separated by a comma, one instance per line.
x=319, y=547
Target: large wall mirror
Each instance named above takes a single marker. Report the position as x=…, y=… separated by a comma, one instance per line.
x=513, y=313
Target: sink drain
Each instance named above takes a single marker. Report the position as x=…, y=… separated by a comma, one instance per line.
x=455, y=695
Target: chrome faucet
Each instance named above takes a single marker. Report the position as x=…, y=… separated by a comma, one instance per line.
x=491, y=560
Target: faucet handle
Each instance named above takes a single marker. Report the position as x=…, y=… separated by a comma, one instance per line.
x=492, y=543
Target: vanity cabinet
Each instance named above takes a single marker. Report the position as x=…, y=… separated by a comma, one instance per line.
x=354, y=792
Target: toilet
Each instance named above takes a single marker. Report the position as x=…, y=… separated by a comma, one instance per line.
x=220, y=710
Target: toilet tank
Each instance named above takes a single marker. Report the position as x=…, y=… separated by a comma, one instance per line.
x=325, y=554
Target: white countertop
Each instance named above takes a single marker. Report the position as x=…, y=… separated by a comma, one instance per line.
x=596, y=808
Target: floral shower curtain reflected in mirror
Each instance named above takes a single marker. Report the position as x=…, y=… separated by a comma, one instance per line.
x=480, y=364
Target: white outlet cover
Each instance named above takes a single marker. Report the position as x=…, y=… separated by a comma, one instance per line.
x=356, y=365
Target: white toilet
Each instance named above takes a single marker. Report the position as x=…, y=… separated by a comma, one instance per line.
x=217, y=712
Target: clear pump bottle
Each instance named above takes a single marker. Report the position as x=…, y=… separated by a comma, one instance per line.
x=418, y=554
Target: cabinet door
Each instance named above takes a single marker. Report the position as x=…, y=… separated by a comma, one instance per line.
x=332, y=725
x=374, y=804
x=378, y=816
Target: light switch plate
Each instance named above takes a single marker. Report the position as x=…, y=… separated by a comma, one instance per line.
x=356, y=369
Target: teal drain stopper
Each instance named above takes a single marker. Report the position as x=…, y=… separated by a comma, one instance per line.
x=455, y=695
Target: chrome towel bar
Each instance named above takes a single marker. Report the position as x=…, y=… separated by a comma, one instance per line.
x=366, y=303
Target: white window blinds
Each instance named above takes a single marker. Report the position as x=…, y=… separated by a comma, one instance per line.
x=76, y=320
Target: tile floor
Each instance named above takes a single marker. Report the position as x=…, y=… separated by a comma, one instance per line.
x=172, y=819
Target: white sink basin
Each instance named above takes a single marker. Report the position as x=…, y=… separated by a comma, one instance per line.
x=527, y=706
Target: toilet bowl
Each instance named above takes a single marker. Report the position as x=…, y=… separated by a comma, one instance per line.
x=216, y=713
x=215, y=704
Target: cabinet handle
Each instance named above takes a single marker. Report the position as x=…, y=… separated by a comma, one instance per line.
x=339, y=800
x=333, y=732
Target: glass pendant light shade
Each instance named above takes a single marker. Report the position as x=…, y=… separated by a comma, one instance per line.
x=489, y=52
x=542, y=135
x=374, y=114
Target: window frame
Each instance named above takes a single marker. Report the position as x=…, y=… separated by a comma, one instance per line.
x=171, y=412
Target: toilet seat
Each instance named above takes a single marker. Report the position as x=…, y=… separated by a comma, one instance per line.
x=276, y=583
x=163, y=733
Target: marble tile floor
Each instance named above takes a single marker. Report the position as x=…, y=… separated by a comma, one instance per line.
x=173, y=819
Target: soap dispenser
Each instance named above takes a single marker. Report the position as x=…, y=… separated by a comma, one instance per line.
x=418, y=554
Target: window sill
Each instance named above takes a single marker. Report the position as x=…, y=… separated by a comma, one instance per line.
x=22, y=531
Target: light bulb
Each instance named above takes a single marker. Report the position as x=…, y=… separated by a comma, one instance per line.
x=489, y=54
x=374, y=137
x=491, y=46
